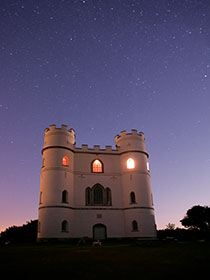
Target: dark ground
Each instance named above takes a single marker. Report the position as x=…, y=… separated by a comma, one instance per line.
x=145, y=260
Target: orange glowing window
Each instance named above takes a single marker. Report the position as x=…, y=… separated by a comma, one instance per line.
x=65, y=161
x=97, y=166
x=130, y=163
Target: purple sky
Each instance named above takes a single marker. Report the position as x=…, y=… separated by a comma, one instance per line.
x=102, y=66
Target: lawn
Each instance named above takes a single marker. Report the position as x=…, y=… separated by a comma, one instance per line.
x=146, y=260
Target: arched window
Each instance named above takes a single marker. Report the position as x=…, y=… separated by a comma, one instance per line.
x=134, y=226
x=152, y=199
x=64, y=226
x=39, y=226
x=132, y=197
x=65, y=161
x=88, y=196
x=97, y=166
x=130, y=163
x=64, y=196
x=98, y=193
x=108, y=197
x=40, y=198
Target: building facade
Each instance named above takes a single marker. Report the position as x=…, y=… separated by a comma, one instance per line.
x=93, y=192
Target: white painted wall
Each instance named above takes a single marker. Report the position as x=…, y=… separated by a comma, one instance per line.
x=75, y=178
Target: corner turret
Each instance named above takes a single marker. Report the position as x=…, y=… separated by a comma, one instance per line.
x=133, y=141
x=62, y=136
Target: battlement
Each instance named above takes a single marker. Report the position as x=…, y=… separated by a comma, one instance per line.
x=133, y=132
x=59, y=136
x=125, y=141
x=63, y=128
x=95, y=149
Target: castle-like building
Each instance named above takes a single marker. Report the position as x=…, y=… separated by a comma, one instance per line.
x=95, y=193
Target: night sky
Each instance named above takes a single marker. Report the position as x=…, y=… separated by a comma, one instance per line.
x=102, y=66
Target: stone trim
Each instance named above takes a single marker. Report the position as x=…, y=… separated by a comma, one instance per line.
x=97, y=208
x=66, y=169
x=92, y=151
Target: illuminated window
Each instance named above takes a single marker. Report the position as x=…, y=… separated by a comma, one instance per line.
x=147, y=165
x=65, y=161
x=97, y=166
x=130, y=163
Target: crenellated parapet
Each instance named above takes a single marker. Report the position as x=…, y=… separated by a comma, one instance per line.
x=59, y=136
x=128, y=141
x=95, y=149
x=63, y=128
x=133, y=133
x=64, y=137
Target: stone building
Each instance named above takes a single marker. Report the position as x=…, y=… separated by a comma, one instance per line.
x=93, y=192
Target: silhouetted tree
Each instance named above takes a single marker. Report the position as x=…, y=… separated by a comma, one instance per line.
x=19, y=234
x=170, y=226
x=198, y=217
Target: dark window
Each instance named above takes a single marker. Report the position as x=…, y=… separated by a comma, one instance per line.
x=152, y=199
x=134, y=226
x=132, y=197
x=40, y=197
x=98, y=195
x=64, y=226
x=108, y=197
x=88, y=196
x=64, y=197
x=39, y=226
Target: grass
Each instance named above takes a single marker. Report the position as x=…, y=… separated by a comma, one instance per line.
x=146, y=260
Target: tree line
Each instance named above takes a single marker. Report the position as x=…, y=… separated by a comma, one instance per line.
x=196, y=225
x=26, y=233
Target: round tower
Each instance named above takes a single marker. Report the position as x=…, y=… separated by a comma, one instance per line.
x=136, y=187
x=56, y=183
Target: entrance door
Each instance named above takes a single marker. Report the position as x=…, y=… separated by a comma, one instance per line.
x=99, y=232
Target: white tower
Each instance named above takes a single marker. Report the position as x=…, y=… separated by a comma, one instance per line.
x=56, y=182
x=137, y=193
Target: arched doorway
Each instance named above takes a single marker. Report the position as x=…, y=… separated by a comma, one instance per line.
x=99, y=232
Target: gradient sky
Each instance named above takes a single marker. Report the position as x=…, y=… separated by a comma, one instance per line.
x=102, y=66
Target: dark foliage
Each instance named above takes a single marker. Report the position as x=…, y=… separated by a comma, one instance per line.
x=20, y=234
x=180, y=234
x=196, y=223
x=198, y=217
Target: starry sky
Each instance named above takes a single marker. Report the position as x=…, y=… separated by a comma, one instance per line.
x=102, y=66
